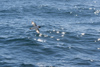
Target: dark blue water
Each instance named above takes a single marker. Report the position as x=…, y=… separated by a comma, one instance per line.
x=69, y=34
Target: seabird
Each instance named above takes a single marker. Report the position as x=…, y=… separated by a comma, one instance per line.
x=35, y=27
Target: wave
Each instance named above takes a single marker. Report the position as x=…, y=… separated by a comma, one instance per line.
x=49, y=11
x=27, y=65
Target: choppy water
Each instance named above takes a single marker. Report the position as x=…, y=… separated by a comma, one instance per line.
x=69, y=34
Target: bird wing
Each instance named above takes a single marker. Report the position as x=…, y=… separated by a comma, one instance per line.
x=33, y=24
x=37, y=30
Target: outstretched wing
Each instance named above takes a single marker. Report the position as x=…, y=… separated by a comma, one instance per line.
x=33, y=24
x=37, y=30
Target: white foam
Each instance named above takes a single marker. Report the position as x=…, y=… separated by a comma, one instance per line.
x=98, y=48
x=57, y=31
x=54, y=30
x=40, y=40
x=45, y=35
x=63, y=33
x=69, y=47
x=51, y=37
x=98, y=39
x=91, y=60
x=58, y=39
x=82, y=34
x=97, y=12
x=90, y=8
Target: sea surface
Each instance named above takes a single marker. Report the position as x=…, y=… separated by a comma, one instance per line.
x=69, y=34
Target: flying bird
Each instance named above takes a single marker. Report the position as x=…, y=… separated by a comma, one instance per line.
x=35, y=27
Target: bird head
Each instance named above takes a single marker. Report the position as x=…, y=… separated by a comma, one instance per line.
x=39, y=26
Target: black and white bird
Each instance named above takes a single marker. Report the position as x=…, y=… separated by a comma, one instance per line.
x=35, y=27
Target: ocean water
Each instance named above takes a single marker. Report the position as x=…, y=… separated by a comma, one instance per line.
x=69, y=34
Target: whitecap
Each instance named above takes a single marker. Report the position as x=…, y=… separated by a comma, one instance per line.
x=90, y=8
x=69, y=47
x=98, y=39
x=63, y=33
x=58, y=39
x=97, y=12
x=57, y=32
x=91, y=60
x=82, y=34
x=51, y=37
x=45, y=35
x=40, y=40
x=34, y=38
x=54, y=30
x=98, y=48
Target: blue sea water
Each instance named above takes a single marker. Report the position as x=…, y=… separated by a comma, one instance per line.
x=69, y=34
